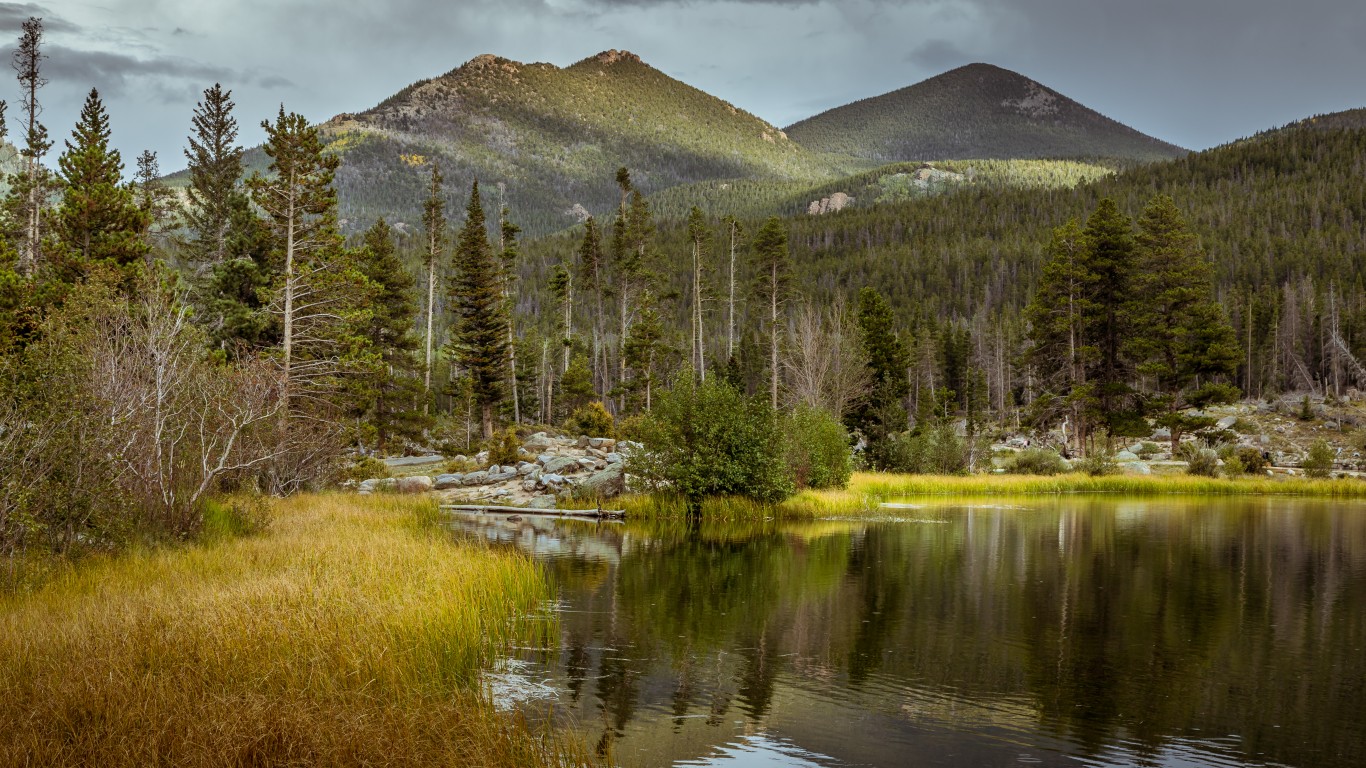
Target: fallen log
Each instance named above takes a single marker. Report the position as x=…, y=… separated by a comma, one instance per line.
x=598, y=514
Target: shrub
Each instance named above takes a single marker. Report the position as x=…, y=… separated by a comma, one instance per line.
x=937, y=450
x=1319, y=461
x=365, y=468
x=592, y=420
x=1254, y=463
x=817, y=449
x=1233, y=466
x=708, y=439
x=1038, y=461
x=1204, y=463
x=1099, y=463
x=1148, y=450
x=1306, y=409
x=503, y=448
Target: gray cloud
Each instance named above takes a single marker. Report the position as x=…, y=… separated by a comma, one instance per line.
x=936, y=55
x=13, y=15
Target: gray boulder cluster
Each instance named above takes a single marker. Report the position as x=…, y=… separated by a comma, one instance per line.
x=549, y=467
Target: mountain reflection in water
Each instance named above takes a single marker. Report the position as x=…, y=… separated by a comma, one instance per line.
x=1194, y=632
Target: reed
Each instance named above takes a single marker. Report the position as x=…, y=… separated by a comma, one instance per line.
x=869, y=489
x=350, y=632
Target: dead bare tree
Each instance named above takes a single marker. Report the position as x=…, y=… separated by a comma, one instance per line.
x=824, y=364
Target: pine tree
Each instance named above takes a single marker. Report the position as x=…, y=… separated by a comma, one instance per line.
x=590, y=276
x=215, y=165
x=1180, y=335
x=643, y=350
x=29, y=190
x=1111, y=259
x=1061, y=342
x=881, y=413
x=733, y=228
x=98, y=219
x=157, y=202
x=480, y=341
x=318, y=292
x=393, y=384
x=434, y=224
x=562, y=288
x=509, y=254
x=774, y=267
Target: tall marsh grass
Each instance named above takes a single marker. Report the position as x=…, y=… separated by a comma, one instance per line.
x=349, y=632
x=869, y=489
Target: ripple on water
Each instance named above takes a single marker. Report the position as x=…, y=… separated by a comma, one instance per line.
x=762, y=751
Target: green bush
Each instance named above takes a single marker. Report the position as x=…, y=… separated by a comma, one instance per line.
x=935, y=451
x=1234, y=467
x=817, y=449
x=1038, y=461
x=1319, y=462
x=1148, y=450
x=365, y=468
x=1251, y=459
x=1204, y=463
x=503, y=448
x=1099, y=464
x=592, y=420
x=708, y=439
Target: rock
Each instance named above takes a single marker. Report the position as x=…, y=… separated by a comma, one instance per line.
x=545, y=458
x=1135, y=468
x=562, y=465
x=476, y=478
x=446, y=482
x=551, y=480
x=613, y=458
x=1124, y=456
x=589, y=464
x=596, y=453
x=529, y=485
x=543, y=501
x=369, y=486
x=525, y=467
x=584, y=441
x=1227, y=422
x=387, y=484
x=538, y=443
x=1162, y=433
x=414, y=484
x=514, y=518
x=462, y=458
x=501, y=477
x=481, y=458
x=604, y=484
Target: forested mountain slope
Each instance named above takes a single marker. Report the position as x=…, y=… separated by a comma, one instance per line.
x=547, y=139
x=976, y=111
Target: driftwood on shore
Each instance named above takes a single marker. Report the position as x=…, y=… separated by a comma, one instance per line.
x=599, y=514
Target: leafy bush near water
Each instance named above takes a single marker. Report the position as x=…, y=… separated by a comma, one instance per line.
x=817, y=449
x=1038, y=461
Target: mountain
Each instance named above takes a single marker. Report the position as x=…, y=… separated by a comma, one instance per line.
x=976, y=111
x=550, y=139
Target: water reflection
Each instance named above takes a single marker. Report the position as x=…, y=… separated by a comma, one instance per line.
x=1056, y=633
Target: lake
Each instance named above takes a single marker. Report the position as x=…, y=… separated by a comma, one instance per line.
x=1051, y=632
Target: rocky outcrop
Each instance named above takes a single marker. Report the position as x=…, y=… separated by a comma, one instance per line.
x=832, y=204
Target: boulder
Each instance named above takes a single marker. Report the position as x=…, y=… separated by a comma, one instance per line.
x=369, y=486
x=604, y=443
x=1227, y=422
x=502, y=477
x=604, y=484
x=538, y=443
x=613, y=458
x=446, y=482
x=476, y=478
x=543, y=501
x=588, y=464
x=1162, y=433
x=414, y=484
x=529, y=485
x=1135, y=468
x=562, y=465
x=481, y=458
x=545, y=458
x=1124, y=456
x=525, y=468
x=551, y=480
x=387, y=484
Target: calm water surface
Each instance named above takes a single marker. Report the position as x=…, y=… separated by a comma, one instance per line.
x=1073, y=632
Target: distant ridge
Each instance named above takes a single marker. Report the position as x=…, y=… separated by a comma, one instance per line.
x=978, y=111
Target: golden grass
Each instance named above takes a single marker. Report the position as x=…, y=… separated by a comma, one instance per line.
x=869, y=489
x=348, y=634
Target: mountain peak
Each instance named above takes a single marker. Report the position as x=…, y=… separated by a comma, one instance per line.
x=613, y=56
x=975, y=111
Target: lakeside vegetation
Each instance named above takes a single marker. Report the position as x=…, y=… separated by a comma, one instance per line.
x=350, y=631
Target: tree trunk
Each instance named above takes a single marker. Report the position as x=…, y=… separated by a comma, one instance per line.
x=773, y=339
x=431, y=316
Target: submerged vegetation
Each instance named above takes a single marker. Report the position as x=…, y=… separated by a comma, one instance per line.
x=350, y=631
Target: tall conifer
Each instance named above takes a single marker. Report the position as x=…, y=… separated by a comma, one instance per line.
x=393, y=384
x=774, y=268
x=434, y=225
x=480, y=340
x=215, y=165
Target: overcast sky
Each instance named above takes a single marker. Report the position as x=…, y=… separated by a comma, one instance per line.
x=1194, y=72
